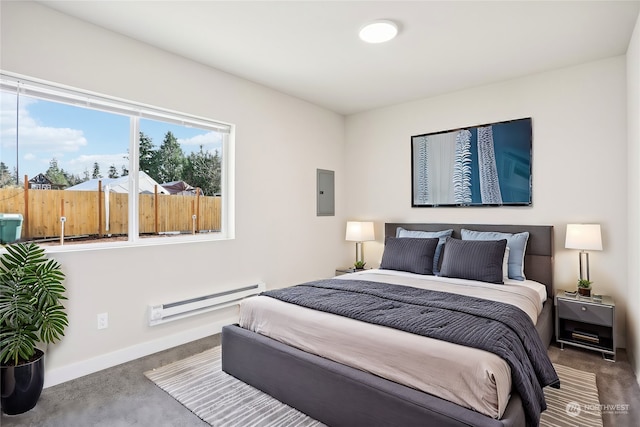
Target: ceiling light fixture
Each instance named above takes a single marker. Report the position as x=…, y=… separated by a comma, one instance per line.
x=378, y=31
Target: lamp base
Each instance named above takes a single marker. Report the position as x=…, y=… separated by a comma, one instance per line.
x=359, y=254
x=583, y=258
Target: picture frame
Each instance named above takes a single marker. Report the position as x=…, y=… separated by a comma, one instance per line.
x=483, y=165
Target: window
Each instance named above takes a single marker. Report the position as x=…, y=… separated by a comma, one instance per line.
x=80, y=168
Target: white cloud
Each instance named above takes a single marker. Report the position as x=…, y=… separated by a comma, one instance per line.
x=209, y=141
x=79, y=164
x=33, y=136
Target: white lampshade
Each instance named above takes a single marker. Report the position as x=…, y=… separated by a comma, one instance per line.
x=586, y=237
x=359, y=231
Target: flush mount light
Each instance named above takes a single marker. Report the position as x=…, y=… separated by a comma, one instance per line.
x=378, y=31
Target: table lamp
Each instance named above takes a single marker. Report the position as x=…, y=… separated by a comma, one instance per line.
x=584, y=237
x=359, y=231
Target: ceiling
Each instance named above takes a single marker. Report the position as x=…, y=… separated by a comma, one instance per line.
x=311, y=50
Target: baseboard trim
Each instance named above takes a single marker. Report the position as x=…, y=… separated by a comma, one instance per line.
x=79, y=369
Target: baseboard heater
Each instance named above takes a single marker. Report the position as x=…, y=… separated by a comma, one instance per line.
x=162, y=313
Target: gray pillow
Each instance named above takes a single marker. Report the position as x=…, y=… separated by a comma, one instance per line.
x=474, y=259
x=409, y=254
x=517, y=244
x=441, y=235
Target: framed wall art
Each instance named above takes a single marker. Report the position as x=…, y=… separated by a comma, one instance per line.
x=486, y=165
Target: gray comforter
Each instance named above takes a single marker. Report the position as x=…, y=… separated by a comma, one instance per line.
x=499, y=328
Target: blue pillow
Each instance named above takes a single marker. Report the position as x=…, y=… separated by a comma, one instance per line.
x=517, y=243
x=440, y=235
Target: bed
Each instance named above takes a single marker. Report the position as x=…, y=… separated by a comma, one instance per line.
x=339, y=393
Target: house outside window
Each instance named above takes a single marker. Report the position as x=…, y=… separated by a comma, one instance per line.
x=113, y=170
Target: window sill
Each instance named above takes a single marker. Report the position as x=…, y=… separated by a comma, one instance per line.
x=55, y=247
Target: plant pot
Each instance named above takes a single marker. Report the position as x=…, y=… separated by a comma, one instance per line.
x=585, y=292
x=21, y=385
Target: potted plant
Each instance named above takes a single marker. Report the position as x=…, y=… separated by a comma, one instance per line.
x=584, y=287
x=31, y=312
x=359, y=265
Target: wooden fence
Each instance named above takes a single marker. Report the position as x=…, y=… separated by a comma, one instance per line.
x=90, y=213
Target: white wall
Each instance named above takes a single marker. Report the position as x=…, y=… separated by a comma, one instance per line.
x=579, y=162
x=280, y=142
x=580, y=175
x=633, y=137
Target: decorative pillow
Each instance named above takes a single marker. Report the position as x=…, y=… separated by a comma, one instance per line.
x=505, y=264
x=517, y=243
x=409, y=254
x=441, y=235
x=474, y=259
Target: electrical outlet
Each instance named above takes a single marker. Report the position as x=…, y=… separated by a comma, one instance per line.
x=103, y=320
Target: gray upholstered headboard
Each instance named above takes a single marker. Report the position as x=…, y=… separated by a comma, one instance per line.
x=538, y=258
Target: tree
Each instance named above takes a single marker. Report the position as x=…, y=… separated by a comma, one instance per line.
x=96, y=171
x=73, y=179
x=56, y=175
x=6, y=178
x=170, y=160
x=203, y=169
x=148, y=156
x=113, y=171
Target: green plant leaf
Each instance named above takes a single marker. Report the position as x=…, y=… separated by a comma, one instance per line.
x=31, y=291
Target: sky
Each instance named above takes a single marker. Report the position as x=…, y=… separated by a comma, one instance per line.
x=77, y=137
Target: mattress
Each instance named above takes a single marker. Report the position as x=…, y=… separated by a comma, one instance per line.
x=469, y=377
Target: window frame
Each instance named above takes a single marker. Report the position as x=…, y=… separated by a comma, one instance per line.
x=49, y=91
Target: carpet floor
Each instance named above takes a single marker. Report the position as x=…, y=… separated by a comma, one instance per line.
x=221, y=400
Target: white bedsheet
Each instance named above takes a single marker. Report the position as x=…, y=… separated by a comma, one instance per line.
x=469, y=377
x=524, y=294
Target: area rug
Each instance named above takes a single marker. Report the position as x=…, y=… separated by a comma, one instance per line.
x=575, y=403
x=223, y=401
x=220, y=399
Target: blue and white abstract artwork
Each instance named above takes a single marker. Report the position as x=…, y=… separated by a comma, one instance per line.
x=487, y=165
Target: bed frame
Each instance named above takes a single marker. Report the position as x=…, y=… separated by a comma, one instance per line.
x=338, y=395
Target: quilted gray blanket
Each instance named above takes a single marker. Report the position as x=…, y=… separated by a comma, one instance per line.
x=496, y=327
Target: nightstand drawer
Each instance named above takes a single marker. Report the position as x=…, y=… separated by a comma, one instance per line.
x=583, y=312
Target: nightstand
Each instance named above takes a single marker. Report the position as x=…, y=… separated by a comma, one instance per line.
x=346, y=270
x=587, y=323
